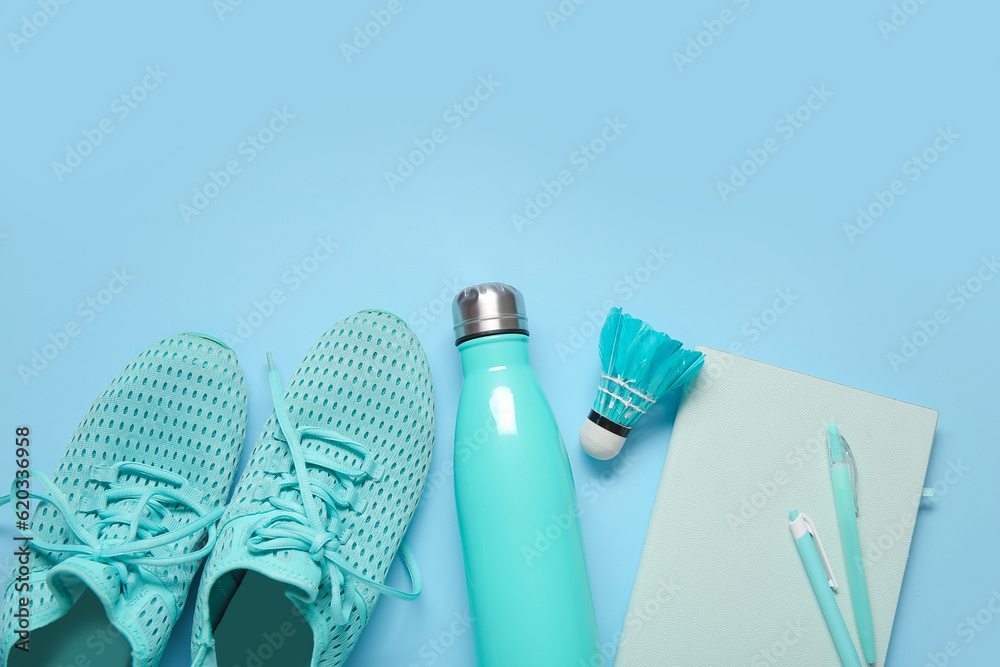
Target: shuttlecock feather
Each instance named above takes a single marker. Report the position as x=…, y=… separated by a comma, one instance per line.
x=639, y=365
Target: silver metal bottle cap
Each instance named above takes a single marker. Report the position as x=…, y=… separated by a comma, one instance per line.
x=486, y=309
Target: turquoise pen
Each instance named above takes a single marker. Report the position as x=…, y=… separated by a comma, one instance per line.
x=845, y=494
x=823, y=583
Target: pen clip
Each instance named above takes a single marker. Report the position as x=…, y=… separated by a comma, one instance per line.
x=852, y=469
x=811, y=527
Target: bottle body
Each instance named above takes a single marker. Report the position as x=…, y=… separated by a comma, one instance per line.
x=529, y=592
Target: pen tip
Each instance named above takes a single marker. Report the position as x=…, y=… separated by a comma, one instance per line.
x=793, y=515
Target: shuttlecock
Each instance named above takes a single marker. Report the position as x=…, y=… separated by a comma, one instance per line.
x=639, y=365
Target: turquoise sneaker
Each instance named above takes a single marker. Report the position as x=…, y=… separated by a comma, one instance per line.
x=118, y=532
x=322, y=506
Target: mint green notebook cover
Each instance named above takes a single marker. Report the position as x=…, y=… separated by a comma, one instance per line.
x=720, y=582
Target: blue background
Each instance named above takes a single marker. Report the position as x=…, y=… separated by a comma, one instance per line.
x=405, y=248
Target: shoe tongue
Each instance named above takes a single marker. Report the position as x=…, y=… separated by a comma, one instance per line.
x=68, y=579
x=149, y=600
x=295, y=568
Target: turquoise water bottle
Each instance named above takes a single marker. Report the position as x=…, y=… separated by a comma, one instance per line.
x=524, y=565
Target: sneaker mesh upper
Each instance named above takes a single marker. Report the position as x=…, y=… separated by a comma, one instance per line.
x=180, y=406
x=368, y=379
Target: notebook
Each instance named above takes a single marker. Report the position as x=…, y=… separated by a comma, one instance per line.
x=720, y=582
